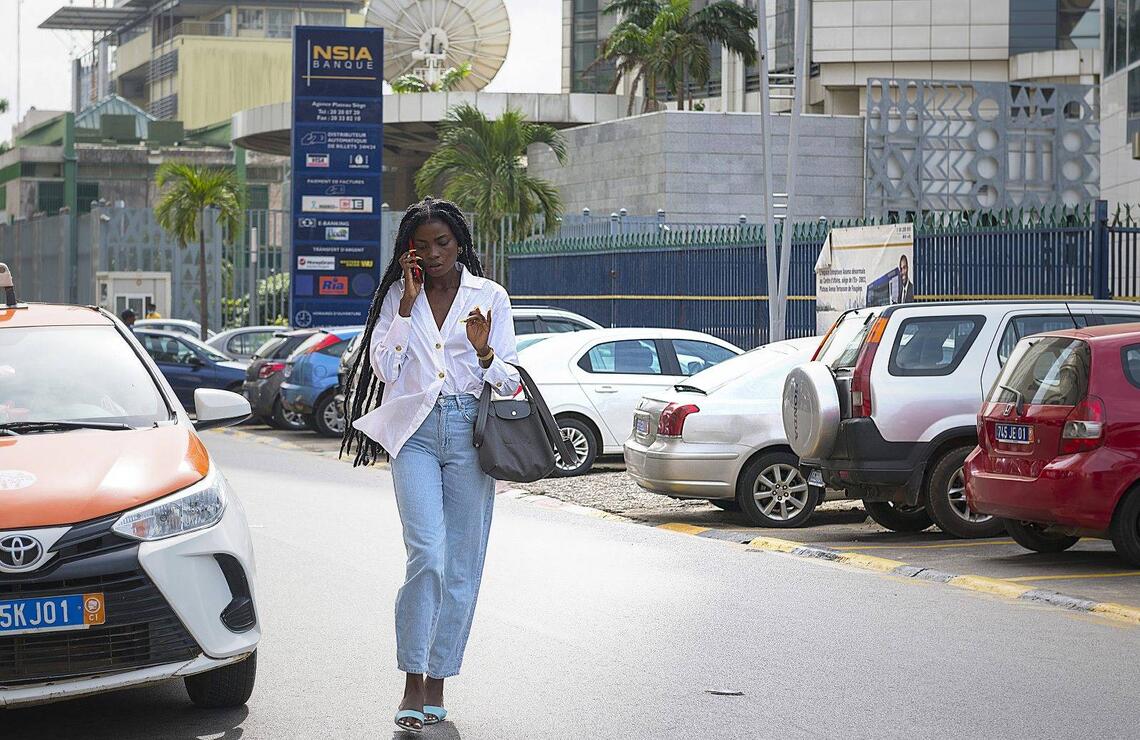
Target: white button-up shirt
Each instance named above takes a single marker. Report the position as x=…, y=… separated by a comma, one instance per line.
x=419, y=361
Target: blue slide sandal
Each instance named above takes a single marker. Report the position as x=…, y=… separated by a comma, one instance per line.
x=410, y=714
x=434, y=715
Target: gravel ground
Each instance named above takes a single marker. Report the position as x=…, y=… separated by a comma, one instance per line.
x=616, y=493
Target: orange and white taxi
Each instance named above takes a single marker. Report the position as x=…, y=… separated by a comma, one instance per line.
x=124, y=556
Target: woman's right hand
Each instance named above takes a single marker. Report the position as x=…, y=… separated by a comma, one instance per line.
x=412, y=284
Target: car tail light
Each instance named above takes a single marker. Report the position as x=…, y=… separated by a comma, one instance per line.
x=328, y=341
x=1084, y=427
x=672, y=421
x=288, y=371
x=269, y=368
x=861, y=376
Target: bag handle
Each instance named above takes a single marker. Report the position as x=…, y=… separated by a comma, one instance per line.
x=530, y=390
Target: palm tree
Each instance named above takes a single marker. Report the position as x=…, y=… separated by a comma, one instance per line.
x=181, y=211
x=480, y=165
x=447, y=82
x=666, y=41
x=3, y=105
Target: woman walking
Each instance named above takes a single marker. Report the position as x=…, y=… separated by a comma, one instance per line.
x=437, y=332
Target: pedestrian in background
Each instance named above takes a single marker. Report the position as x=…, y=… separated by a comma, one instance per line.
x=437, y=332
x=128, y=318
x=152, y=311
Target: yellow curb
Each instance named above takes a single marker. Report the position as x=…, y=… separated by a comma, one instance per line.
x=683, y=528
x=774, y=545
x=1122, y=612
x=995, y=586
x=870, y=562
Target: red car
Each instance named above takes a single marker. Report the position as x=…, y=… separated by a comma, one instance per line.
x=1059, y=437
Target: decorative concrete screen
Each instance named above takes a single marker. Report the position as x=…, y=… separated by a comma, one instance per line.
x=946, y=146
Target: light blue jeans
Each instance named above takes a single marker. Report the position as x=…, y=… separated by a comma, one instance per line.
x=445, y=501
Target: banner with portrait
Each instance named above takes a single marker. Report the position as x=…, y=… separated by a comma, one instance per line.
x=863, y=266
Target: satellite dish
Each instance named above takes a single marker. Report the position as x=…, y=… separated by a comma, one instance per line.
x=425, y=37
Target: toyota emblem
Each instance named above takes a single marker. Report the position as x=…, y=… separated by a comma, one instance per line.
x=20, y=552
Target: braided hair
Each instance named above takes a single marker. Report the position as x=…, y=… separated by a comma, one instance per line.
x=363, y=390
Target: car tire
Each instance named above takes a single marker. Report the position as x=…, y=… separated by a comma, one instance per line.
x=582, y=439
x=946, y=499
x=1034, y=537
x=223, y=688
x=725, y=504
x=287, y=420
x=327, y=421
x=1125, y=528
x=898, y=518
x=772, y=492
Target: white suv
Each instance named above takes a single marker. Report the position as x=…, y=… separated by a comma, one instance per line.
x=888, y=409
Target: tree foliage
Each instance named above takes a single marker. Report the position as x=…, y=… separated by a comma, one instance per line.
x=447, y=82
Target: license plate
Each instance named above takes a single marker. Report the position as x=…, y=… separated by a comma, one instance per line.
x=51, y=614
x=815, y=478
x=641, y=426
x=1018, y=434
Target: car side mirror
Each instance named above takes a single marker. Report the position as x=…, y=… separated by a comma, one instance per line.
x=216, y=408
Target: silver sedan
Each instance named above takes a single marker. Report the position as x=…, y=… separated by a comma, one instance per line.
x=719, y=435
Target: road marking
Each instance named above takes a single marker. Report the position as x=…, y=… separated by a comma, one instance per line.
x=1076, y=576
x=940, y=546
x=683, y=528
x=1118, y=611
x=995, y=586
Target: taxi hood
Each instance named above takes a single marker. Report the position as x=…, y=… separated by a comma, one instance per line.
x=56, y=478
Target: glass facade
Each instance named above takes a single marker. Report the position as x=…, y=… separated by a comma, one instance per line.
x=587, y=41
x=781, y=29
x=1054, y=25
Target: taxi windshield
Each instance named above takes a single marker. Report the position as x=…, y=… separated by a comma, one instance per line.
x=75, y=374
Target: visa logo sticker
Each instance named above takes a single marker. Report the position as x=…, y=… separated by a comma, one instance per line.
x=333, y=285
x=317, y=160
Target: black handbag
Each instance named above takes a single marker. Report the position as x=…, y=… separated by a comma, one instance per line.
x=517, y=438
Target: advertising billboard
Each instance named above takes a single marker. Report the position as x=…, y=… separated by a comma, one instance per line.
x=863, y=266
x=336, y=164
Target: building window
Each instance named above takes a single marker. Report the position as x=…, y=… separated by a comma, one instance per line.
x=781, y=30
x=279, y=23
x=1055, y=25
x=324, y=18
x=586, y=46
x=1133, y=102
x=251, y=19
x=258, y=197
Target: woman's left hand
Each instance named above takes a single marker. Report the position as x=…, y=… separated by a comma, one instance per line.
x=479, y=330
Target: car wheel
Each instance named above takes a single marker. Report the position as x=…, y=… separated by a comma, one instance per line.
x=290, y=420
x=582, y=440
x=1035, y=537
x=1125, y=528
x=772, y=492
x=725, y=504
x=223, y=688
x=946, y=499
x=896, y=517
x=327, y=420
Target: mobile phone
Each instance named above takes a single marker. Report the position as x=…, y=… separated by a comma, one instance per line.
x=417, y=272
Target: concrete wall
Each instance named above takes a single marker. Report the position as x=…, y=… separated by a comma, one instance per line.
x=704, y=167
x=1119, y=173
x=209, y=89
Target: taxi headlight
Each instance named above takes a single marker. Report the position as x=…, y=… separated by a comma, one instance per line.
x=197, y=507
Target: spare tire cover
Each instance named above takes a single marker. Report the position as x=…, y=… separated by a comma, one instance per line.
x=811, y=410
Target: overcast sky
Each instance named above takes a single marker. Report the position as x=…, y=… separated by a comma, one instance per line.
x=533, y=63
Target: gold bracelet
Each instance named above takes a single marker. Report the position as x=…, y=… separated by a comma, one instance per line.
x=489, y=355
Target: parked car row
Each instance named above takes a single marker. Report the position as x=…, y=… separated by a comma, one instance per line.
x=888, y=412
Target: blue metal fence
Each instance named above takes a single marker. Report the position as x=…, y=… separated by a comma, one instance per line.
x=714, y=278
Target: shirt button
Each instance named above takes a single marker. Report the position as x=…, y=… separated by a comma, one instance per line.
x=399, y=348
x=438, y=345
x=498, y=385
x=441, y=375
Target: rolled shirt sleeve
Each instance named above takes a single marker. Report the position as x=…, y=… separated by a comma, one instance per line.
x=502, y=375
x=389, y=348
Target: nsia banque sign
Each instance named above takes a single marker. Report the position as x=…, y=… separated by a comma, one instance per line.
x=337, y=142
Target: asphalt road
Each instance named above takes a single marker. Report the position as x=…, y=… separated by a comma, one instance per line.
x=589, y=628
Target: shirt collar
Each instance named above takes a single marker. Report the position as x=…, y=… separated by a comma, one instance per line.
x=467, y=280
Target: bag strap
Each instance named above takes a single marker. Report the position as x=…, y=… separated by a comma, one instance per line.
x=481, y=420
x=552, y=432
